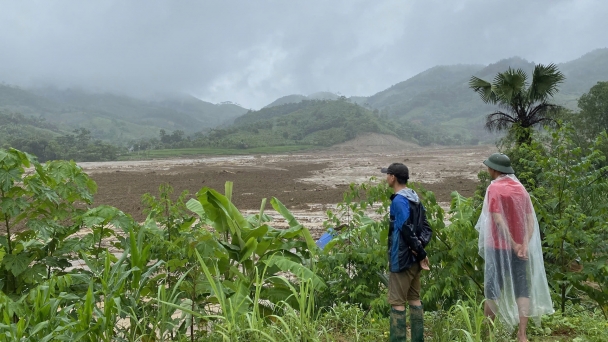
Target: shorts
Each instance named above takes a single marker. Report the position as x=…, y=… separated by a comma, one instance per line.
x=494, y=281
x=404, y=286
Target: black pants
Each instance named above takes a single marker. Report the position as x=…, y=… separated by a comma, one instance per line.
x=506, y=263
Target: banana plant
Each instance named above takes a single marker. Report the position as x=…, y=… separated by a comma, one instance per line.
x=251, y=243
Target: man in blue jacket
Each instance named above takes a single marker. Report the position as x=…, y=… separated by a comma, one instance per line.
x=407, y=237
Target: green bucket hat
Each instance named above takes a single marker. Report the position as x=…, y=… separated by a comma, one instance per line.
x=499, y=162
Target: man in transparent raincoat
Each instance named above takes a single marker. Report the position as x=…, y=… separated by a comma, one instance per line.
x=509, y=241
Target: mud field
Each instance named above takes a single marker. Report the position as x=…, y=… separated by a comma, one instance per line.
x=307, y=183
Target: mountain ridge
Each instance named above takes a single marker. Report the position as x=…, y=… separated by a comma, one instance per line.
x=437, y=98
x=117, y=117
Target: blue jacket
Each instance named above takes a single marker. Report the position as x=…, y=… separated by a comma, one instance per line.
x=405, y=231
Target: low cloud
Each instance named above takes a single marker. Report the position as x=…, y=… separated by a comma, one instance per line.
x=252, y=52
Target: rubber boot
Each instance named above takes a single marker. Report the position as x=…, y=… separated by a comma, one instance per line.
x=417, y=323
x=398, y=331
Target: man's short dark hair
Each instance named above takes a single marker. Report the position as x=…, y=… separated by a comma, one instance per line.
x=400, y=180
x=399, y=170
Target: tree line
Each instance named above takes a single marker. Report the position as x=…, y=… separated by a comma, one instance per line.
x=46, y=141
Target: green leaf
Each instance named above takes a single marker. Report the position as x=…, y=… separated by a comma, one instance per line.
x=223, y=215
x=56, y=262
x=293, y=223
x=249, y=248
x=16, y=263
x=255, y=233
x=196, y=207
x=281, y=209
x=228, y=190
x=297, y=269
x=9, y=177
x=3, y=155
x=291, y=232
x=263, y=246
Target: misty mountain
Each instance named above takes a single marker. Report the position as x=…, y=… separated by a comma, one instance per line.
x=295, y=98
x=582, y=74
x=322, y=95
x=116, y=117
x=440, y=96
x=438, y=99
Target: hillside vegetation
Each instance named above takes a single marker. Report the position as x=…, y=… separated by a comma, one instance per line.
x=440, y=98
x=44, y=140
x=434, y=107
x=307, y=124
x=116, y=118
x=323, y=95
x=310, y=122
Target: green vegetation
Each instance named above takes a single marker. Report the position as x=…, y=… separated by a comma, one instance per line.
x=38, y=137
x=319, y=123
x=594, y=110
x=197, y=269
x=19, y=129
x=433, y=107
x=323, y=123
x=439, y=95
x=113, y=117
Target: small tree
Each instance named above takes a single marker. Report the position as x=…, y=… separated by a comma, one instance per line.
x=523, y=104
x=594, y=109
x=572, y=211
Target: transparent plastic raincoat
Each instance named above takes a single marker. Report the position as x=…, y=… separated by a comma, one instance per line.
x=509, y=242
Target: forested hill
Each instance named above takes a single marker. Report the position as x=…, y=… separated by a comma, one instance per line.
x=440, y=97
x=583, y=73
x=114, y=117
x=435, y=106
x=309, y=122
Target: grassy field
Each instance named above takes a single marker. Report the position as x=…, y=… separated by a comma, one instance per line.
x=169, y=153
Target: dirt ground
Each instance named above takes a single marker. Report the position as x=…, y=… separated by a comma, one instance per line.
x=307, y=183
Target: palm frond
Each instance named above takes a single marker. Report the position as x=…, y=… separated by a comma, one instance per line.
x=483, y=88
x=545, y=80
x=499, y=121
x=520, y=102
x=542, y=113
x=510, y=84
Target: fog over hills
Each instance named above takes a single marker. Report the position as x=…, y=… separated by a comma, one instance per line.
x=254, y=52
x=437, y=97
x=114, y=117
x=441, y=94
x=322, y=95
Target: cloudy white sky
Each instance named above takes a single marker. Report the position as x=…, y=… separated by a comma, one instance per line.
x=254, y=51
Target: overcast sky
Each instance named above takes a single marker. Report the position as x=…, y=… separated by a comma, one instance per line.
x=254, y=51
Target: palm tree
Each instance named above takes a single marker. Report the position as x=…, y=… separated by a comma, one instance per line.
x=522, y=104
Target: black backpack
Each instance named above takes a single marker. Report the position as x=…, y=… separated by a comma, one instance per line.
x=418, y=223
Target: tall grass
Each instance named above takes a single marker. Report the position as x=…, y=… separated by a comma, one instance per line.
x=465, y=321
